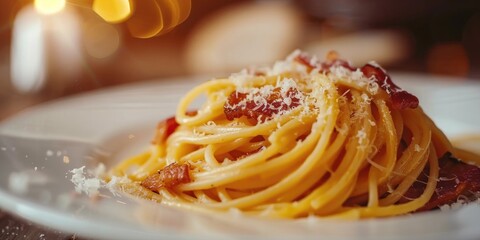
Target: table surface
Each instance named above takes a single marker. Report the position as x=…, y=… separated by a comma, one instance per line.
x=13, y=228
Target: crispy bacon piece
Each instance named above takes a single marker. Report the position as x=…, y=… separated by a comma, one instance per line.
x=401, y=99
x=456, y=179
x=169, y=177
x=166, y=127
x=274, y=103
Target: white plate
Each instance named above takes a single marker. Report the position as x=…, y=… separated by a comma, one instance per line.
x=111, y=124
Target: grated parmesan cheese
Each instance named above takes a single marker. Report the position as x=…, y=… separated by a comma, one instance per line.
x=417, y=148
x=288, y=65
x=240, y=78
x=90, y=182
x=358, y=76
x=340, y=72
x=372, y=86
x=260, y=95
x=365, y=98
x=361, y=135
x=83, y=184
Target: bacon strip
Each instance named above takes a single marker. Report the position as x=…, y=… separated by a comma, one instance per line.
x=401, y=99
x=456, y=179
x=273, y=104
x=165, y=128
x=169, y=177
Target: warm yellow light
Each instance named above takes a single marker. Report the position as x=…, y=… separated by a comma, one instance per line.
x=113, y=11
x=49, y=6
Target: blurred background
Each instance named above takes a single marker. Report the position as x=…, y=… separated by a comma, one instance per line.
x=55, y=48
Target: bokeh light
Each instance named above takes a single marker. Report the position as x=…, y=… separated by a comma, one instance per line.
x=113, y=11
x=45, y=51
x=28, y=52
x=155, y=17
x=101, y=40
x=144, y=18
x=49, y=6
x=148, y=21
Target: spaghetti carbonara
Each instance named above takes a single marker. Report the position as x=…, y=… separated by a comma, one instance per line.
x=303, y=137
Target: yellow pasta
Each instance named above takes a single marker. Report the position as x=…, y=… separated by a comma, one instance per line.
x=297, y=139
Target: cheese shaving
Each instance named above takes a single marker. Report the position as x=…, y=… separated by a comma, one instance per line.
x=90, y=181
